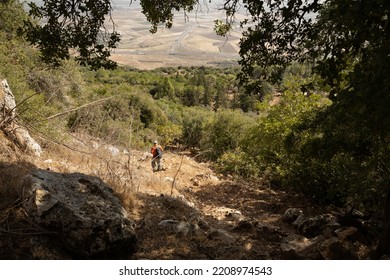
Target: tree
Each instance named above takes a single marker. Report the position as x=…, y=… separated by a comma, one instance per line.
x=78, y=26
x=192, y=95
x=161, y=12
x=224, y=132
x=209, y=89
x=347, y=41
x=72, y=25
x=12, y=16
x=164, y=89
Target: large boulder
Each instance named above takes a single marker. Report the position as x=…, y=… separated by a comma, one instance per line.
x=87, y=218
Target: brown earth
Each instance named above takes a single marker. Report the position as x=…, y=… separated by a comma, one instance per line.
x=186, y=211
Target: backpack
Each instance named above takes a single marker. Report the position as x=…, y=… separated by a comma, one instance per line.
x=158, y=152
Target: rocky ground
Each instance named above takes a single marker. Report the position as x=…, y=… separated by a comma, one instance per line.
x=189, y=212
x=216, y=217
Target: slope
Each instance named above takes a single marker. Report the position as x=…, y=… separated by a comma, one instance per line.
x=189, y=212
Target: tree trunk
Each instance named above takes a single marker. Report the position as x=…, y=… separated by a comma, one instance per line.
x=384, y=242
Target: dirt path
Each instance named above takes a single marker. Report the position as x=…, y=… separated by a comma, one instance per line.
x=189, y=212
x=208, y=216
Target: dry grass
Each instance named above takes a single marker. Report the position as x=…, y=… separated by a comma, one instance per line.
x=16, y=229
x=11, y=177
x=13, y=167
x=93, y=157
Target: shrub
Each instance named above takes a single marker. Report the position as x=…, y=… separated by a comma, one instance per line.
x=119, y=117
x=225, y=132
x=264, y=142
x=333, y=162
x=237, y=162
x=194, y=121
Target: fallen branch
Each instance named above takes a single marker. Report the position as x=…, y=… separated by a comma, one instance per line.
x=80, y=107
x=177, y=172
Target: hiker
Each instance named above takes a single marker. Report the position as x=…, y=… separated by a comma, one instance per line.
x=156, y=152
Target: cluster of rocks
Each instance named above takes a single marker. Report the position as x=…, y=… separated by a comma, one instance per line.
x=324, y=236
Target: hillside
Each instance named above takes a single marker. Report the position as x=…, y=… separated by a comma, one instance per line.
x=186, y=211
x=263, y=161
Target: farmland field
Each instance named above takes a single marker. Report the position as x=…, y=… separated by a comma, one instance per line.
x=190, y=42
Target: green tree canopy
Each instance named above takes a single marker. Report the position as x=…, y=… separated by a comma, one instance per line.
x=72, y=25
x=12, y=16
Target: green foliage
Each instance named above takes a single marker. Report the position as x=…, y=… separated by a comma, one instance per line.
x=162, y=12
x=168, y=133
x=222, y=28
x=261, y=147
x=299, y=77
x=335, y=163
x=156, y=100
x=265, y=141
x=12, y=16
x=191, y=95
x=39, y=91
x=224, y=132
x=239, y=163
x=338, y=155
x=166, y=89
x=123, y=115
x=193, y=126
x=73, y=25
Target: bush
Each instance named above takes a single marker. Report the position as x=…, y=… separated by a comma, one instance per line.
x=264, y=143
x=237, y=162
x=225, y=132
x=12, y=16
x=335, y=163
x=193, y=125
x=123, y=115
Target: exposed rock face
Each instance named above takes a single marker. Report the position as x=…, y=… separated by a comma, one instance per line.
x=8, y=124
x=89, y=220
x=7, y=100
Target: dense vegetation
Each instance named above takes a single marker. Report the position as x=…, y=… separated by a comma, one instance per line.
x=319, y=126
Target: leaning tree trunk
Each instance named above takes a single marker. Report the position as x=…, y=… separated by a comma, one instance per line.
x=384, y=242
